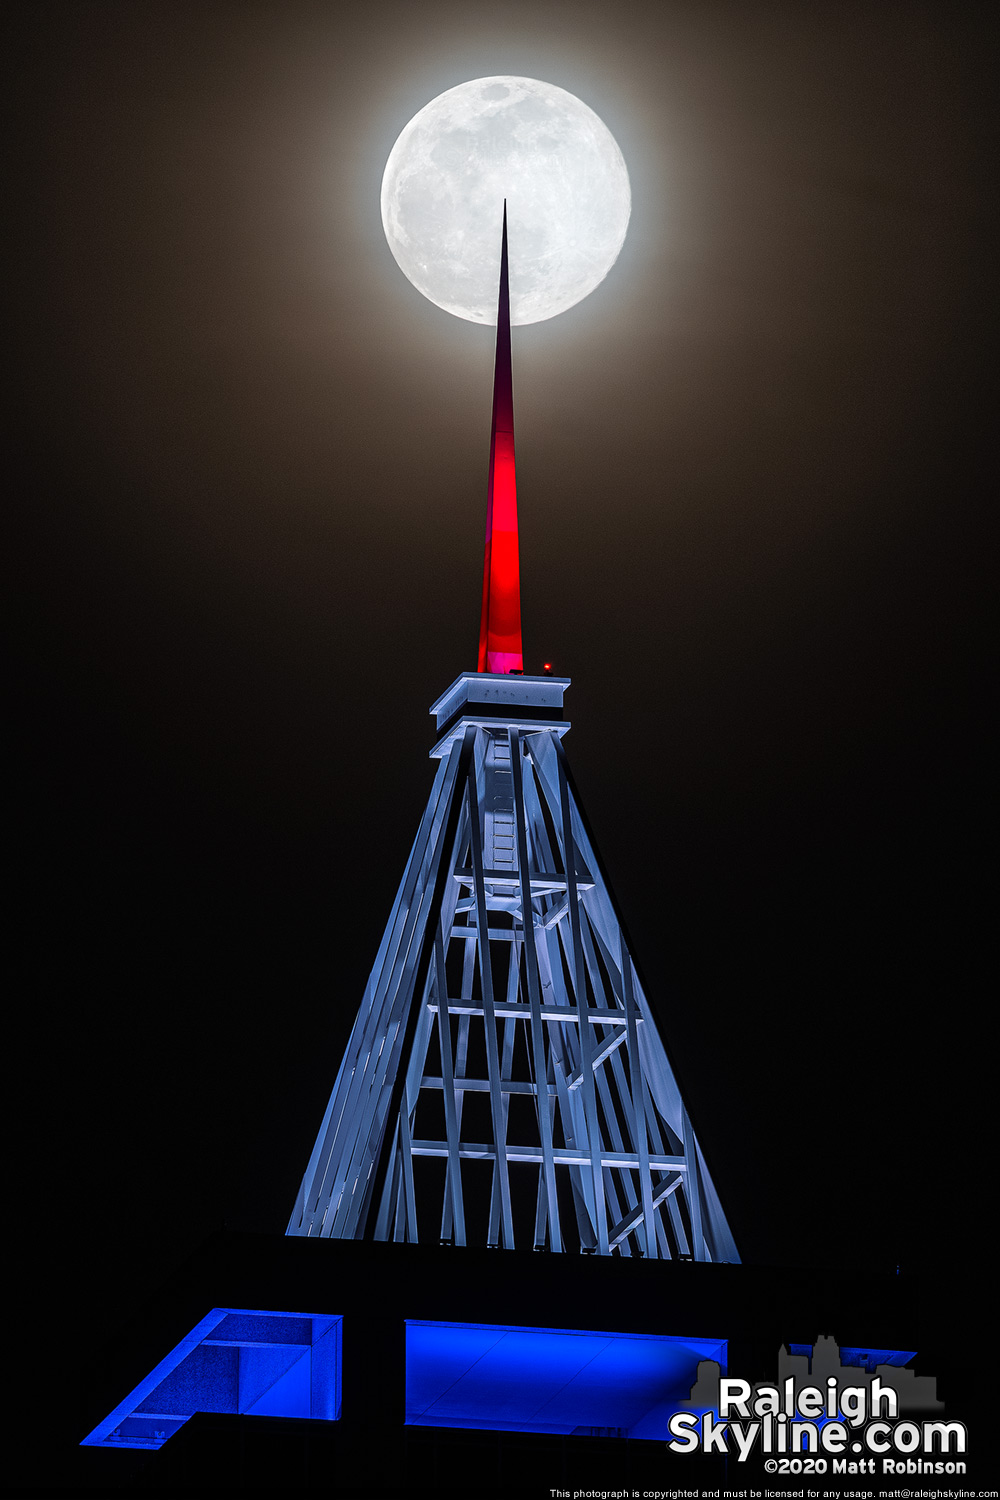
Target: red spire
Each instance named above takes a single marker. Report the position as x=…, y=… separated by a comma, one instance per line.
x=500, y=623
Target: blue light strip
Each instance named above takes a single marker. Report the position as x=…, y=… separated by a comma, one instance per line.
x=553, y=1380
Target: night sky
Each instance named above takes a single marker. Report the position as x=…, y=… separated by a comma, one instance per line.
x=754, y=474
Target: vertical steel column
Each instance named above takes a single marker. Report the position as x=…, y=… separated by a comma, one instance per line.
x=613, y=1183
x=636, y=1091
x=454, y=1167
x=582, y=1004
x=692, y=1187
x=507, y=1057
x=534, y=996
x=406, y=1153
x=489, y=1010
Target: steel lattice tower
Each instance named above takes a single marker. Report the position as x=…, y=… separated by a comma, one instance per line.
x=505, y=1082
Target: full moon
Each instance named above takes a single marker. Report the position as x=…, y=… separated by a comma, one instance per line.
x=554, y=161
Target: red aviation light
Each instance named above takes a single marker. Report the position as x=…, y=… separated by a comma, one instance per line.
x=500, y=622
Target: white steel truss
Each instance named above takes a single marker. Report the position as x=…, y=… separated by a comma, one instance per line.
x=505, y=1082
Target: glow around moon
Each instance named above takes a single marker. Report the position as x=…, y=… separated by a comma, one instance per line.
x=557, y=165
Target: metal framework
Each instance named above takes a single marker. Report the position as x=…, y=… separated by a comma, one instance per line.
x=505, y=1083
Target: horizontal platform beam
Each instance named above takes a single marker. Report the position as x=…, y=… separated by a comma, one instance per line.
x=542, y=882
x=495, y=934
x=563, y=1156
x=516, y=1012
x=482, y=1085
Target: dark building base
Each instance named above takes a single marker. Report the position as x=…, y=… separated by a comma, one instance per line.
x=376, y=1288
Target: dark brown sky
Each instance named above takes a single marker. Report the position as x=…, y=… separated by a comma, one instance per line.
x=252, y=463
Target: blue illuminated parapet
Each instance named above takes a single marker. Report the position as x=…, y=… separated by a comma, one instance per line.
x=549, y=1379
x=491, y=1376
x=265, y=1364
